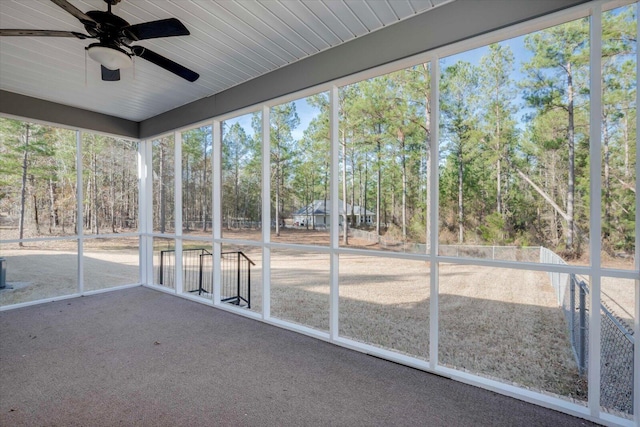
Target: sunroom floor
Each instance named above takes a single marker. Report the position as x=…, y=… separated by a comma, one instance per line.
x=142, y=357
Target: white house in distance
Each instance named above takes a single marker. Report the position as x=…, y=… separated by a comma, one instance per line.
x=318, y=212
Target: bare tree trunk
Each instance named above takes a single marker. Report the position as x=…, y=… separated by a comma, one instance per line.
x=95, y=193
x=53, y=212
x=326, y=193
x=498, y=163
x=34, y=198
x=236, y=185
x=625, y=133
x=378, y=188
x=352, y=215
x=427, y=162
x=277, y=198
x=366, y=181
x=186, y=192
x=204, y=206
x=35, y=209
x=345, y=225
x=23, y=188
x=124, y=194
x=460, y=200
x=404, y=188
x=162, y=199
x=606, y=226
x=112, y=192
x=571, y=174
x=75, y=211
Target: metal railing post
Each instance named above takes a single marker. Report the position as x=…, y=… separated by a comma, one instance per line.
x=200, y=272
x=248, y=284
x=161, y=267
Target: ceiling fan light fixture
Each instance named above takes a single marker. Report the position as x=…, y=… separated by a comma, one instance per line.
x=109, y=57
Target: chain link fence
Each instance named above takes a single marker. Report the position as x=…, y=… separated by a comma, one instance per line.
x=502, y=253
x=616, y=337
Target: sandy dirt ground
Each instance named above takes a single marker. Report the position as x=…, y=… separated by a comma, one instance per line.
x=500, y=323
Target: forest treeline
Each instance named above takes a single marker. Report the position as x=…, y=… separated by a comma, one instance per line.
x=513, y=146
x=38, y=182
x=513, y=163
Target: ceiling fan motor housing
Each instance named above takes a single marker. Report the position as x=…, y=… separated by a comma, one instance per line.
x=111, y=57
x=109, y=28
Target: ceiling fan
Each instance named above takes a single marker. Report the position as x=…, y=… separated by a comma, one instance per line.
x=114, y=50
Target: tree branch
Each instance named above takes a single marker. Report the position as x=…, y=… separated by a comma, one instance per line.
x=543, y=194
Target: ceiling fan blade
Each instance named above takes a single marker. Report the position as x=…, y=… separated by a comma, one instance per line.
x=83, y=17
x=165, y=63
x=109, y=75
x=45, y=33
x=155, y=29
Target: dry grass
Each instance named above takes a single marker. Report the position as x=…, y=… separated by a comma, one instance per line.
x=50, y=269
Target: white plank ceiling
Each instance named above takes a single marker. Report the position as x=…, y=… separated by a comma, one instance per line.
x=231, y=42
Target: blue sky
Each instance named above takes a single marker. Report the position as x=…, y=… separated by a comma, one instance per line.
x=306, y=113
x=520, y=55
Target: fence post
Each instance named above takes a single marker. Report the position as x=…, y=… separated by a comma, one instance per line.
x=583, y=328
x=161, y=267
x=572, y=311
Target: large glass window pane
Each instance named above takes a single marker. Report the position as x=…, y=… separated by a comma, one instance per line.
x=163, y=153
x=619, y=136
x=37, y=180
x=241, y=276
x=385, y=302
x=196, y=181
x=384, y=159
x=242, y=177
x=514, y=326
x=39, y=270
x=110, y=262
x=514, y=145
x=300, y=287
x=300, y=164
x=110, y=184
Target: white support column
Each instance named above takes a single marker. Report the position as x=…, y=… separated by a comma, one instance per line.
x=79, y=207
x=216, y=202
x=177, y=138
x=266, y=212
x=433, y=212
x=636, y=351
x=334, y=227
x=595, y=153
